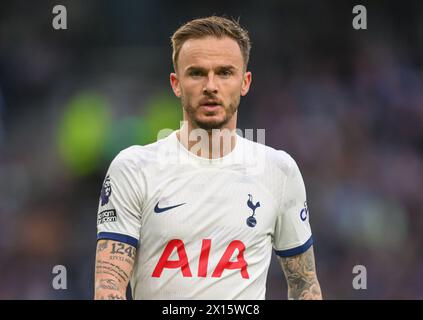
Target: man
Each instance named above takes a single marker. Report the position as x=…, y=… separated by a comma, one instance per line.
x=203, y=227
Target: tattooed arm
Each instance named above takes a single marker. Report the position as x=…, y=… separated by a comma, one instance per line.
x=300, y=273
x=113, y=268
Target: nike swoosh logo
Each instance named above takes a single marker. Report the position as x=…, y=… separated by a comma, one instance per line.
x=160, y=210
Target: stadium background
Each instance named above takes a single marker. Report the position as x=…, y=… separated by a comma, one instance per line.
x=346, y=104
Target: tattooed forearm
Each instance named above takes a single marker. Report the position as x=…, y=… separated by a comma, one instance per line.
x=108, y=284
x=300, y=273
x=115, y=297
x=111, y=297
x=102, y=245
x=127, y=260
x=103, y=266
x=114, y=264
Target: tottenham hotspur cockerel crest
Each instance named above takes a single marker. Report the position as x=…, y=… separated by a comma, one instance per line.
x=251, y=221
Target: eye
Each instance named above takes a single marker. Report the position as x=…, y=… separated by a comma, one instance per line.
x=195, y=73
x=226, y=73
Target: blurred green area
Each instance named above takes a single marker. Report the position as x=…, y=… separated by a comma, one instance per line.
x=88, y=136
x=82, y=132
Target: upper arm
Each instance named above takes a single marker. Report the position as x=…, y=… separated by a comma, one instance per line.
x=120, y=203
x=292, y=233
x=301, y=276
x=118, y=227
x=293, y=241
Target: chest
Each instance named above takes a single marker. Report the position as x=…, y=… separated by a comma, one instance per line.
x=198, y=204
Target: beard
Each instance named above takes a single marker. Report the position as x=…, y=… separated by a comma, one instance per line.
x=209, y=124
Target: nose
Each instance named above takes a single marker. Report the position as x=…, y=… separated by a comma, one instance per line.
x=210, y=86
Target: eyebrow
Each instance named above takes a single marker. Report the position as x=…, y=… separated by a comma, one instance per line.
x=227, y=67
x=219, y=68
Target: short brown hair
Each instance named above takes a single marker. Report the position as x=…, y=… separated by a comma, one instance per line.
x=211, y=26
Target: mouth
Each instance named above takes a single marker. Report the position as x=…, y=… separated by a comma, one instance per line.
x=210, y=105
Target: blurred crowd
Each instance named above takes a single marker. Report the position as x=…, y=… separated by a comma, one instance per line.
x=346, y=104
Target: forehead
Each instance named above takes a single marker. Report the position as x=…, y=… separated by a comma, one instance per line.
x=210, y=51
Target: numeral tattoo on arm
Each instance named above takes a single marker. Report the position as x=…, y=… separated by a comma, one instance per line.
x=119, y=248
x=300, y=273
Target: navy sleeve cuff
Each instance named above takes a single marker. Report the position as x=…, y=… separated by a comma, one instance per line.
x=118, y=237
x=295, y=251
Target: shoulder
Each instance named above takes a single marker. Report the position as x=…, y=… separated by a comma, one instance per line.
x=138, y=156
x=275, y=159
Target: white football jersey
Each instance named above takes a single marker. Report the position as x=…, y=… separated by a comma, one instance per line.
x=204, y=229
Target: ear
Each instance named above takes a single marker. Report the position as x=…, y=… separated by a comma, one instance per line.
x=246, y=83
x=174, y=82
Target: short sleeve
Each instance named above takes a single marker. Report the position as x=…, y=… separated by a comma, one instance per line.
x=292, y=234
x=120, y=203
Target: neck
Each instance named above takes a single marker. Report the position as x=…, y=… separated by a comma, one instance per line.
x=209, y=144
